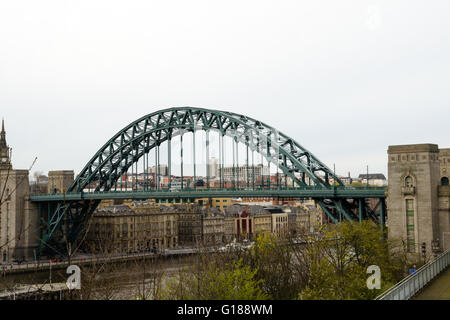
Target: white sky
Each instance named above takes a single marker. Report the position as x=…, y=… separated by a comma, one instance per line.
x=345, y=79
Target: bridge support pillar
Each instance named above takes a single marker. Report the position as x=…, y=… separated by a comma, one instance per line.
x=361, y=209
x=382, y=213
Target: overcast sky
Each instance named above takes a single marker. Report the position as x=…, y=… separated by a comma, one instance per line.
x=345, y=79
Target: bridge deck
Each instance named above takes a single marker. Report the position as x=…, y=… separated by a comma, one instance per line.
x=336, y=192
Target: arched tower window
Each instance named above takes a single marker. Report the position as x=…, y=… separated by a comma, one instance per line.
x=409, y=182
x=444, y=181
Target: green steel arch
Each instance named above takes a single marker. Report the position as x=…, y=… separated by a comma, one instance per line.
x=141, y=136
x=66, y=217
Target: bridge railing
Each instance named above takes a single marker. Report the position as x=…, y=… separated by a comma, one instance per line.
x=6, y=268
x=408, y=287
x=205, y=190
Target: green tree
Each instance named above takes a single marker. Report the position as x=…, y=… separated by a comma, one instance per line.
x=233, y=281
x=340, y=259
x=278, y=269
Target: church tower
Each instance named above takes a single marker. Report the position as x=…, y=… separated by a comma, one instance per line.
x=19, y=218
x=5, y=153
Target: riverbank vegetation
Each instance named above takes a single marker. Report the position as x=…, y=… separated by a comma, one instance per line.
x=329, y=265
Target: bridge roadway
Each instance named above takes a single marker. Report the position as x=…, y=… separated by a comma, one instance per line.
x=304, y=192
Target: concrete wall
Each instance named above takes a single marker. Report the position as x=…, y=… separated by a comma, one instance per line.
x=444, y=199
x=421, y=163
x=18, y=218
x=60, y=181
x=444, y=216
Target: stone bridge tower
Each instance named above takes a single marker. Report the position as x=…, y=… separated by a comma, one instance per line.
x=414, y=209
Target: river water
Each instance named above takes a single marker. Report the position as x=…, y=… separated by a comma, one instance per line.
x=117, y=281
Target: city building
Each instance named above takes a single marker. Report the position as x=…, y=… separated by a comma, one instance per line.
x=5, y=150
x=190, y=225
x=284, y=201
x=292, y=223
x=280, y=224
x=243, y=226
x=418, y=197
x=60, y=181
x=40, y=183
x=345, y=179
x=303, y=221
x=162, y=170
x=253, y=201
x=219, y=203
x=262, y=224
x=213, y=227
x=111, y=202
x=229, y=228
x=310, y=217
x=177, y=183
x=19, y=236
x=376, y=179
x=244, y=173
x=213, y=167
x=120, y=229
x=163, y=225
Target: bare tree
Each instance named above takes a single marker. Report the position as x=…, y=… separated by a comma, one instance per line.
x=5, y=195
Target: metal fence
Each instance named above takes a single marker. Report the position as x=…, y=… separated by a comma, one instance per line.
x=408, y=287
x=26, y=266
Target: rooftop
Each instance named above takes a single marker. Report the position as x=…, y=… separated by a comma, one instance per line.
x=423, y=147
x=372, y=176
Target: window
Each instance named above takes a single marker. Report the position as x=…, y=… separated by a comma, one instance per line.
x=409, y=182
x=444, y=181
x=410, y=234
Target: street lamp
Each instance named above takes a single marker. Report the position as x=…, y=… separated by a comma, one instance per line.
x=367, y=175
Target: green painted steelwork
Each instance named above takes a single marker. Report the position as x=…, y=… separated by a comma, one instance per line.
x=137, y=140
x=298, y=193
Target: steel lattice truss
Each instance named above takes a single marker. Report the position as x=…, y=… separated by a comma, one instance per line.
x=130, y=144
x=140, y=137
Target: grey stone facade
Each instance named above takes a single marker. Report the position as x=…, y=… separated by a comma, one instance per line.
x=418, y=210
x=19, y=223
x=19, y=219
x=60, y=181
